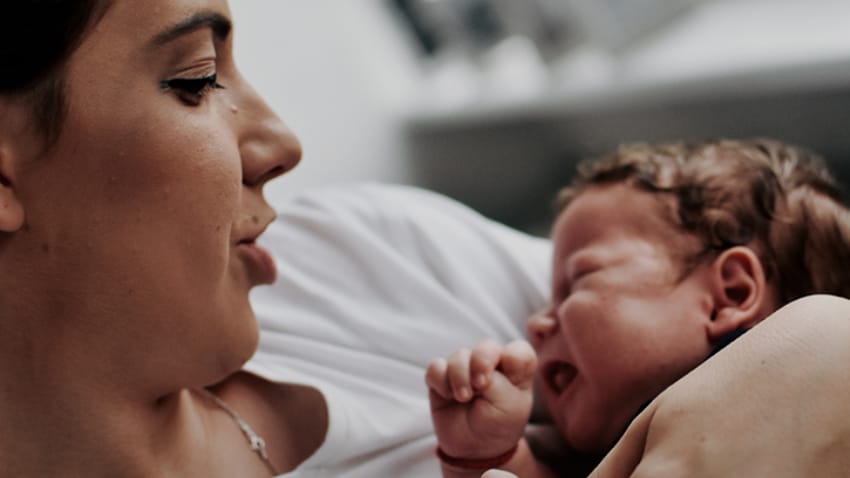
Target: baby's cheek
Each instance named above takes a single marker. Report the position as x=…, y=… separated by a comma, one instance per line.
x=585, y=315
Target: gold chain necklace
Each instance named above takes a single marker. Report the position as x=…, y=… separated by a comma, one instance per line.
x=255, y=441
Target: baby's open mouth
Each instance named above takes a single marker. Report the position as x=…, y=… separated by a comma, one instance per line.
x=558, y=376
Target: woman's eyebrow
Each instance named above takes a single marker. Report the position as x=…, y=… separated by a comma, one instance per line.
x=218, y=23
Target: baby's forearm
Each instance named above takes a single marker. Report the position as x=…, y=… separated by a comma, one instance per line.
x=522, y=463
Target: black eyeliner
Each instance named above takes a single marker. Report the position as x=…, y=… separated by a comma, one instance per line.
x=193, y=85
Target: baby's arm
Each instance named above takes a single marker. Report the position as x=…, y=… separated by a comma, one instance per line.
x=480, y=404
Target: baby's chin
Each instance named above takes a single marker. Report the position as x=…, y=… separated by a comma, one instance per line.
x=589, y=438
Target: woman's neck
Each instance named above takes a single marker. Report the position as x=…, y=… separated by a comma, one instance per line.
x=67, y=430
x=65, y=405
x=63, y=415
x=69, y=427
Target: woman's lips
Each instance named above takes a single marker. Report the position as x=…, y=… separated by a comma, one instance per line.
x=259, y=262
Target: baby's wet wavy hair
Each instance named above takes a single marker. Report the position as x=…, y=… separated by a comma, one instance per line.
x=776, y=198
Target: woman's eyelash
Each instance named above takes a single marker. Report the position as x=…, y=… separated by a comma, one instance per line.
x=194, y=86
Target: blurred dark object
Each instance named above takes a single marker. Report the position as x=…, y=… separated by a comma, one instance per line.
x=425, y=33
x=440, y=27
x=554, y=26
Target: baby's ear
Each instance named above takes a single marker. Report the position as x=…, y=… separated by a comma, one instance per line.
x=739, y=287
x=11, y=209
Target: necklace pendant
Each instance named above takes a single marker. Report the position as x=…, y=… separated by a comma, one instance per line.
x=259, y=445
x=255, y=441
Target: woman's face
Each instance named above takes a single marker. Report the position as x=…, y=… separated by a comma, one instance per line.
x=140, y=220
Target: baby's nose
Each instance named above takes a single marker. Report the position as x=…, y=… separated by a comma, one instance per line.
x=540, y=327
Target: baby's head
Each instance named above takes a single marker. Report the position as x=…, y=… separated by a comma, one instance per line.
x=662, y=251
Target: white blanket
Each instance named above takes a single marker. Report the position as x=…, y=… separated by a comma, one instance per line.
x=374, y=282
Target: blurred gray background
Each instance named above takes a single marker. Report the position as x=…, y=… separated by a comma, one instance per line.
x=494, y=101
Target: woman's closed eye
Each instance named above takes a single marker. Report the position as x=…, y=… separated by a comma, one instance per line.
x=192, y=90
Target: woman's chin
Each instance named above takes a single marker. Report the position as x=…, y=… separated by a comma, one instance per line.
x=237, y=347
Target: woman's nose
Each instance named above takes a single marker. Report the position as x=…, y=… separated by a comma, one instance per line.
x=267, y=146
x=540, y=327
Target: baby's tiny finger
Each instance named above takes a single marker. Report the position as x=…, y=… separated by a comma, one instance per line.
x=458, y=375
x=437, y=379
x=519, y=363
x=482, y=363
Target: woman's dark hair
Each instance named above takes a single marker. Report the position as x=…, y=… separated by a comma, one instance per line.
x=36, y=38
